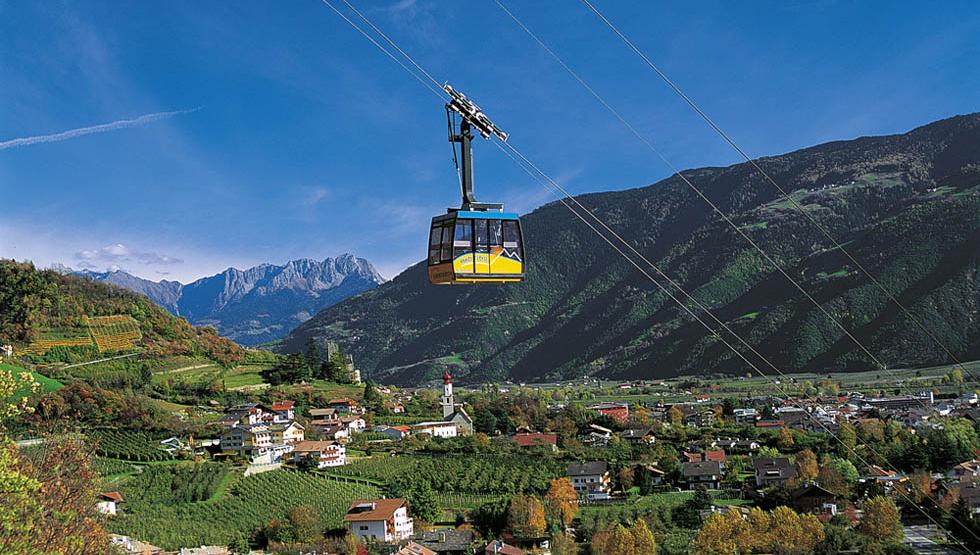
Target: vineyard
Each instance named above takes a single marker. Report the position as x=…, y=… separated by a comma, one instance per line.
x=108, y=467
x=252, y=502
x=130, y=446
x=474, y=474
x=107, y=333
x=175, y=484
x=114, y=333
x=51, y=338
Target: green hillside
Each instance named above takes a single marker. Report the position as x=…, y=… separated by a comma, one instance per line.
x=49, y=317
x=906, y=206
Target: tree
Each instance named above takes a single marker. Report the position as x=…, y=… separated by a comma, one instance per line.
x=675, y=415
x=723, y=534
x=643, y=540
x=784, y=439
x=563, y=544
x=424, y=502
x=484, y=421
x=305, y=524
x=561, y=502
x=806, y=465
x=622, y=541
x=882, y=521
x=525, y=517
x=239, y=545
x=313, y=357
x=351, y=544
x=626, y=477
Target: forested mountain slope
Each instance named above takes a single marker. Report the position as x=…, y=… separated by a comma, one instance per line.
x=906, y=206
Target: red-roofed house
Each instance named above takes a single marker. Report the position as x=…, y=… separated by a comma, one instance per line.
x=283, y=411
x=380, y=519
x=620, y=412
x=398, y=432
x=108, y=502
x=320, y=454
x=534, y=439
x=716, y=455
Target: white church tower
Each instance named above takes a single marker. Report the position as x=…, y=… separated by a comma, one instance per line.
x=448, y=404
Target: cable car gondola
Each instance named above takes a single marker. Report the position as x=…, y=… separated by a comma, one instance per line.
x=477, y=243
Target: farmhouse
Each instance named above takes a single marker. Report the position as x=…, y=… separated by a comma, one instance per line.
x=383, y=520
x=108, y=502
x=590, y=478
x=620, y=412
x=435, y=428
x=705, y=473
x=320, y=454
x=771, y=471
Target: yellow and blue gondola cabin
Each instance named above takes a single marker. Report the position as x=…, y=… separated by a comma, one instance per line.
x=472, y=247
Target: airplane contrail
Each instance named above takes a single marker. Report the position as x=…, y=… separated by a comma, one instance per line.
x=102, y=128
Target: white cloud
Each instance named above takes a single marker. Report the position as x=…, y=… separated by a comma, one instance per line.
x=111, y=255
x=82, y=131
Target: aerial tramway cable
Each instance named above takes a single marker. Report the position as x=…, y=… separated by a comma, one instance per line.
x=704, y=197
x=785, y=195
x=563, y=195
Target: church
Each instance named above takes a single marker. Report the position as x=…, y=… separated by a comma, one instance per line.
x=451, y=412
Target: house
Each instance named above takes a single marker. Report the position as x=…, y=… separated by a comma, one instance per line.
x=446, y=541
x=244, y=414
x=699, y=417
x=716, y=455
x=437, y=428
x=968, y=469
x=108, y=502
x=320, y=454
x=596, y=435
x=590, y=477
x=769, y=423
x=335, y=431
x=655, y=472
x=813, y=499
x=536, y=439
x=324, y=414
x=497, y=547
x=283, y=411
x=289, y=432
x=383, y=520
x=638, y=435
x=354, y=424
x=745, y=446
x=345, y=406
x=971, y=496
x=255, y=443
x=706, y=473
x=745, y=417
x=772, y=471
x=413, y=548
x=620, y=412
x=397, y=432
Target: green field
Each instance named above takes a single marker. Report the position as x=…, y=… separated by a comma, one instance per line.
x=218, y=513
x=47, y=384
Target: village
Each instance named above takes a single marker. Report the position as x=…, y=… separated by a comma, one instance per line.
x=766, y=453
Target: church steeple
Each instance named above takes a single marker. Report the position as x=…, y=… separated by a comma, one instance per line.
x=448, y=403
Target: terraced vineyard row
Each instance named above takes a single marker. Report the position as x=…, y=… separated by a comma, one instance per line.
x=114, y=333
x=253, y=501
x=505, y=474
x=130, y=446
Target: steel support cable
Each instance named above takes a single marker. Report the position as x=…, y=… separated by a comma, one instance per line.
x=700, y=194
x=785, y=195
x=711, y=330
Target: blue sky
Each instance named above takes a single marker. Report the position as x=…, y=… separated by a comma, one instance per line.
x=272, y=130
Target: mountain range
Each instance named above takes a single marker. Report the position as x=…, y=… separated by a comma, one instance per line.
x=907, y=207
x=259, y=304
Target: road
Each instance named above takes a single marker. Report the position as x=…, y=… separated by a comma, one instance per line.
x=919, y=539
x=99, y=360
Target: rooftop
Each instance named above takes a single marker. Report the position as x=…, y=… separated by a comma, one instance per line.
x=374, y=509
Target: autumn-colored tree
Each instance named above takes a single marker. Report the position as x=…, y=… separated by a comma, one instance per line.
x=806, y=465
x=561, y=502
x=644, y=542
x=626, y=477
x=525, y=517
x=305, y=523
x=622, y=541
x=790, y=532
x=675, y=415
x=920, y=486
x=723, y=534
x=784, y=439
x=601, y=542
x=563, y=544
x=882, y=521
x=351, y=545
